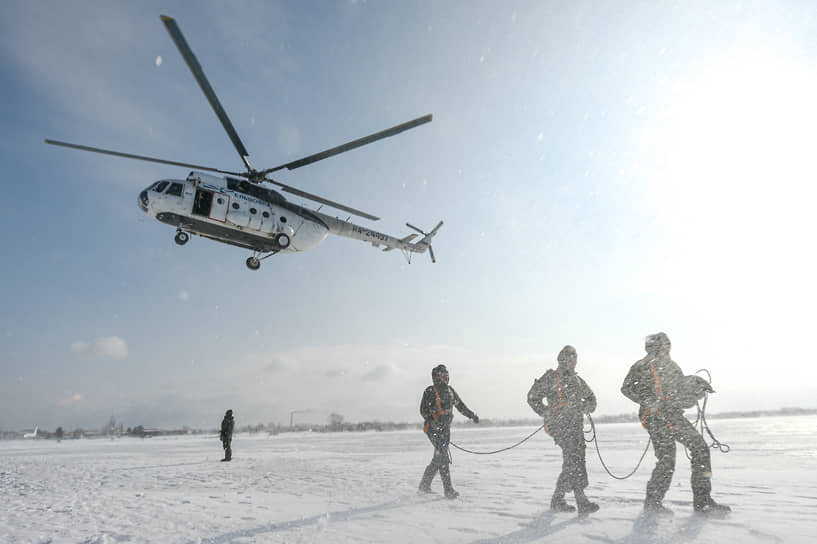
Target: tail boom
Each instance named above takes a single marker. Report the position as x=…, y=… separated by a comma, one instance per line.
x=348, y=229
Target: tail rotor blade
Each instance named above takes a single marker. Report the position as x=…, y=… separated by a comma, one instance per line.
x=409, y=225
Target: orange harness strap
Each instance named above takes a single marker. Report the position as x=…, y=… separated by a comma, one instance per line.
x=439, y=412
x=561, y=403
x=658, y=391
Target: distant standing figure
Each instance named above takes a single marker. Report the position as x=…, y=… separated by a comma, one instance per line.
x=568, y=399
x=437, y=409
x=657, y=383
x=227, y=426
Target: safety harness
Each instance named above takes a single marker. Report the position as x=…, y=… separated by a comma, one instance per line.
x=659, y=396
x=439, y=412
x=561, y=402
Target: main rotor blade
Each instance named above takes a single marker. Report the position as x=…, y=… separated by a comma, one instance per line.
x=351, y=145
x=322, y=200
x=198, y=73
x=141, y=157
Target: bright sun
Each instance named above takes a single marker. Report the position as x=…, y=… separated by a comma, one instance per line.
x=735, y=154
x=733, y=194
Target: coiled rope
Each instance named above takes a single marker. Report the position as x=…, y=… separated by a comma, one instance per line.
x=700, y=425
x=700, y=422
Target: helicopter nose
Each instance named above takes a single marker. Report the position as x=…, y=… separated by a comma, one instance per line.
x=143, y=200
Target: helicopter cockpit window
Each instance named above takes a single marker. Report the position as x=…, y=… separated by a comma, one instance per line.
x=161, y=186
x=175, y=189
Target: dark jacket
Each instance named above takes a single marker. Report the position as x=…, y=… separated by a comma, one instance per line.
x=227, y=425
x=442, y=414
x=568, y=399
x=662, y=388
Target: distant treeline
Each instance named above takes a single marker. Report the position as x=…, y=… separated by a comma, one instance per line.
x=336, y=424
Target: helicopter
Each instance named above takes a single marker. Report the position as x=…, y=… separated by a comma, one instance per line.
x=236, y=208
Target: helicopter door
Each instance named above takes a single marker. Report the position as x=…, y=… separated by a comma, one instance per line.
x=221, y=204
x=203, y=202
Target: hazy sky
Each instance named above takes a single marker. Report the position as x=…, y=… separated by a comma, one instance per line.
x=604, y=170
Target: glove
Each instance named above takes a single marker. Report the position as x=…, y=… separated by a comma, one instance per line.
x=475, y=419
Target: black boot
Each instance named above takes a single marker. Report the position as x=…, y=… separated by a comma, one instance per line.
x=585, y=505
x=655, y=507
x=707, y=505
x=428, y=477
x=445, y=476
x=558, y=503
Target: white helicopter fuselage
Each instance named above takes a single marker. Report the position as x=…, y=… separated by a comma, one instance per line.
x=239, y=213
x=217, y=208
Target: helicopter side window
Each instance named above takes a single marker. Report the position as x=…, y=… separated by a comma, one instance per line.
x=283, y=219
x=175, y=189
x=161, y=187
x=235, y=205
x=253, y=211
x=265, y=214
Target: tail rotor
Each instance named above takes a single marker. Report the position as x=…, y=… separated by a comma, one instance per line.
x=427, y=236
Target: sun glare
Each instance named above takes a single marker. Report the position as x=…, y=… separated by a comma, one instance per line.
x=735, y=158
x=733, y=193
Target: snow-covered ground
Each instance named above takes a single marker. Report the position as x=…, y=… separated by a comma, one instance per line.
x=360, y=487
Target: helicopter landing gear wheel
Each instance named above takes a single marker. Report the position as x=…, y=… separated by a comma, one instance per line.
x=282, y=240
x=253, y=263
x=181, y=237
